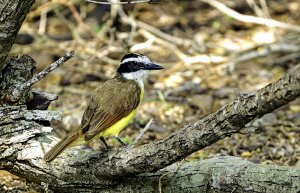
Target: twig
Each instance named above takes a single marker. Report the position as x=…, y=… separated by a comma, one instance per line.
x=75, y=13
x=130, y=147
x=109, y=3
x=49, y=69
x=43, y=22
x=285, y=60
x=70, y=25
x=260, y=51
x=263, y=12
x=174, y=40
x=265, y=9
x=143, y=45
x=250, y=19
x=143, y=131
x=237, y=146
x=257, y=10
x=188, y=60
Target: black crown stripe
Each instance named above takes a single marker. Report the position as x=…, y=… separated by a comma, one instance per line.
x=131, y=55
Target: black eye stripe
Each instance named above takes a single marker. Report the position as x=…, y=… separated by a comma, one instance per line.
x=129, y=66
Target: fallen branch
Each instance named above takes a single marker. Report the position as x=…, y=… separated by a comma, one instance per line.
x=143, y=131
x=251, y=19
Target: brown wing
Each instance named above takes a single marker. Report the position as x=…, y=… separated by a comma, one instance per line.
x=88, y=115
x=105, y=110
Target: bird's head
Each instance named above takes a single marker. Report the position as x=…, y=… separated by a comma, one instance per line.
x=135, y=66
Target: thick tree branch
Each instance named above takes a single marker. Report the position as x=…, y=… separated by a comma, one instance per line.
x=12, y=15
x=23, y=142
x=220, y=174
x=226, y=121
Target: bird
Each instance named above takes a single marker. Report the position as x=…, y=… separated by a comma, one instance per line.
x=112, y=105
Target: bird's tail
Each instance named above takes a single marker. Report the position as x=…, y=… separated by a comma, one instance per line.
x=60, y=146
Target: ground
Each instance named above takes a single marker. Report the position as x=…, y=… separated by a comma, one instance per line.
x=203, y=52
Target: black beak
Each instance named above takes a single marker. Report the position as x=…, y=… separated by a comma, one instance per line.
x=153, y=66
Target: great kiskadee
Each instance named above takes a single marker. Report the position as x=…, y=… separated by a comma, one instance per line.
x=112, y=106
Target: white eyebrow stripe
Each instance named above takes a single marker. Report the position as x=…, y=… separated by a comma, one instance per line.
x=142, y=59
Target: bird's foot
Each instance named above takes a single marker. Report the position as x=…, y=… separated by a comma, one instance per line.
x=120, y=141
x=107, y=148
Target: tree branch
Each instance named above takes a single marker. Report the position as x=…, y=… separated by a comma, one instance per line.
x=23, y=142
x=12, y=15
x=49, y=69
x=228, y=120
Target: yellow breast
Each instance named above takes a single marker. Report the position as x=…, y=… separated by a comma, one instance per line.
x=115, y=129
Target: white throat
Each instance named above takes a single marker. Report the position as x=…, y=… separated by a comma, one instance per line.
x=137, y=76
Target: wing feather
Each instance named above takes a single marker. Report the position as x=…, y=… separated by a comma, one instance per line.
x=101, y=113
x=88, y=115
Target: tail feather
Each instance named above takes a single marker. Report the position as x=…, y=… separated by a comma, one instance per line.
x=60, y=146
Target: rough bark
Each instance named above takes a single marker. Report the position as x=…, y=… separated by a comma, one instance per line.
x=12, y=15
x=25, y=137
x=17, y=72
x=220, y=174
x=226, y=121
